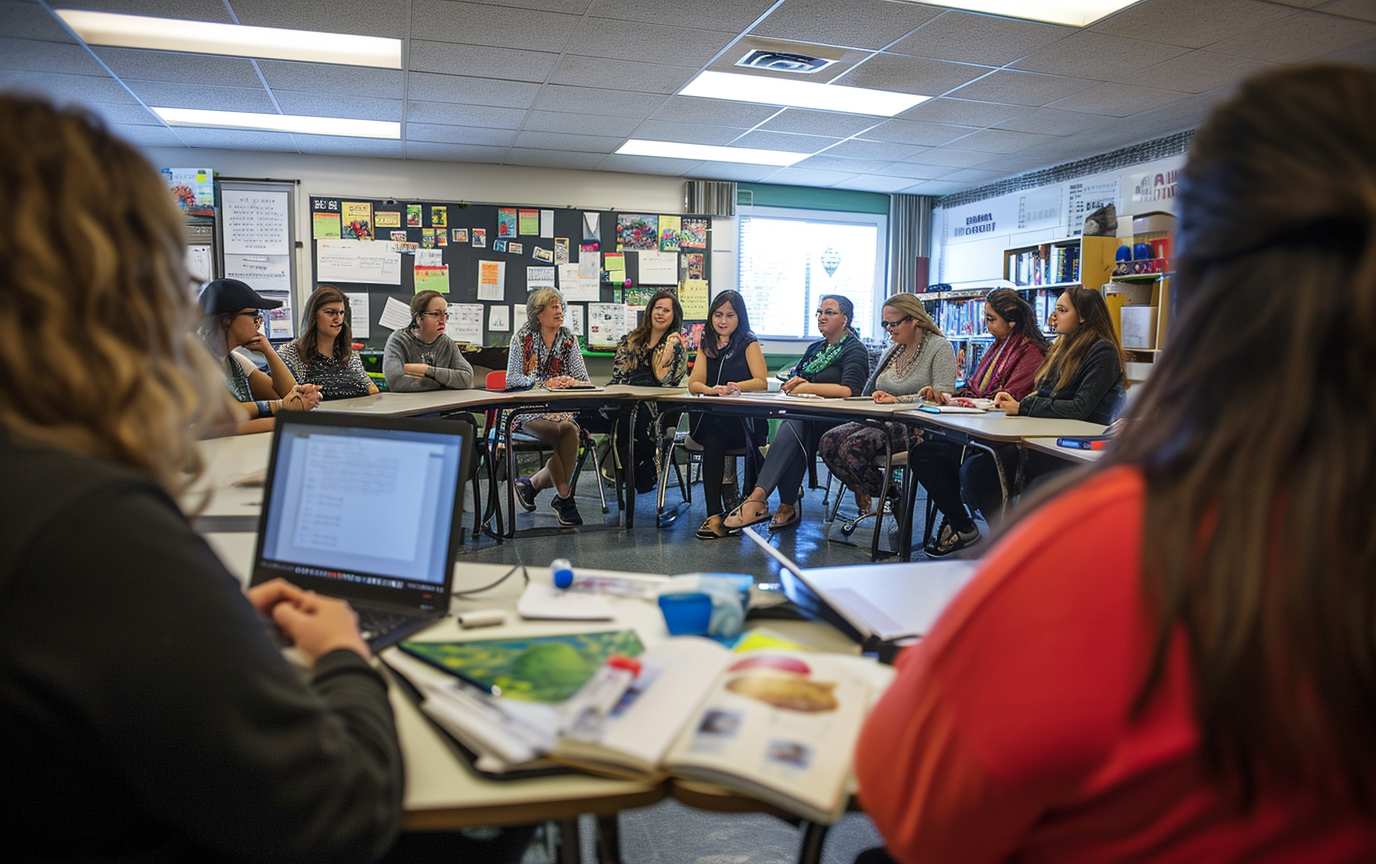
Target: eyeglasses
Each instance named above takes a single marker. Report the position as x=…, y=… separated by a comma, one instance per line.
x=891, y=325
x=827, y=312
x=334, y=313
x=256, y=315
x=438, y=316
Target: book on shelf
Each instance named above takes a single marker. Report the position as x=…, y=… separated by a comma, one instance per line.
x=778, y=725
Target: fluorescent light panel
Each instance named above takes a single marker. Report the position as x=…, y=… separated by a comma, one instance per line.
x=800, y=94
x=280, y=123
x=232, y=40
x=1073, y=13
x=709, y=153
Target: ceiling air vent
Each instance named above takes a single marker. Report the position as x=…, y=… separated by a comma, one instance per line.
x=780, y=61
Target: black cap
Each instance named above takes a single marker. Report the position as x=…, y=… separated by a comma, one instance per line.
x=224, y=296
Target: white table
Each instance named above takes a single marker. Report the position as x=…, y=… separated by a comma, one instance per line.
x=1073, y=454
x=226, y=462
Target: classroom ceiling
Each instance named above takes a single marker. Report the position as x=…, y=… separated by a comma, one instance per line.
x=563, y=83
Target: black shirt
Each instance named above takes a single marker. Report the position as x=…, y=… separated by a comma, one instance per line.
x=1095, y=393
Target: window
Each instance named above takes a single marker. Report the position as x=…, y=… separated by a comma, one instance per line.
x=790, y=258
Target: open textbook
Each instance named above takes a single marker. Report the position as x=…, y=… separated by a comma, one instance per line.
x=775, y=724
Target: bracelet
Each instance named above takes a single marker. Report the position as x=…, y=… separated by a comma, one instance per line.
x=264, y=409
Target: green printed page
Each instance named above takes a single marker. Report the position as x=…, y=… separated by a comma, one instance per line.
x=537, y=669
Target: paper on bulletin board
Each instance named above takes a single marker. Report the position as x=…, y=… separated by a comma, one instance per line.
x=573, y=319
x=606, y=324
x=200, y=264
x=395, y=315
x=359, y=311
x=693, y=297
x=324, y=226
x=465, y=323
x=357, y=219
x=592, y=226
x=568, y=275
x=528, y=221
x=499, y=318
x=657, y=268
x=255, y=222
x=506, y=221
x=670, y=227
x=429, y=257
x=432, y=279
x=539, y=277
x=492, y=280
x=357, y=261
x=587, y=266
x=561, y=250
x=615, y=265
x=547, y=223
x=261, y=272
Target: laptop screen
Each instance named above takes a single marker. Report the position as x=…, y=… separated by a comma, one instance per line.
x=363, y=508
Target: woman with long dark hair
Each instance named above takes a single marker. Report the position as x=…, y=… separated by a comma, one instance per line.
x=730, y=362
x=323, y=354
x=1171, y=660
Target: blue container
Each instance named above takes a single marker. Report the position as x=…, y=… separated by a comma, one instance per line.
x=686, y=614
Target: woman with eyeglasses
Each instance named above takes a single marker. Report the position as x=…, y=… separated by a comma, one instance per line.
x=921, y=360
x=233, y=318
x=323, y=354
x=1008, y=366
x=419, y=356
x=837, y=365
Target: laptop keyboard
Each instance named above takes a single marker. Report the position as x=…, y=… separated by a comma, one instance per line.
x=373, y=623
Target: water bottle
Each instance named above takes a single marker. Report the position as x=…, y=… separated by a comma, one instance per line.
x=561, y=571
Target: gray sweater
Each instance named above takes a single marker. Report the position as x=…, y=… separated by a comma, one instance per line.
x=934, y=367
x=447, y=366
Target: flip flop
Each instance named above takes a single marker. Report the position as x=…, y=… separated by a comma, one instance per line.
x=787, y=523
x=741, y=523
x=708, y=531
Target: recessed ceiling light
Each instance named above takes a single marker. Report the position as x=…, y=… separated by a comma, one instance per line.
x=1074, y=13
x=280, y=123
x=709, y=153
x=800, y=94
x=232, y=40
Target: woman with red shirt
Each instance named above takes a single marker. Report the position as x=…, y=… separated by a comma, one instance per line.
x=1172, y=660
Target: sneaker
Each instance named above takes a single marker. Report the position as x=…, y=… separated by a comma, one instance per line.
x=566, y=510
x=525, y=494
x=950, y=540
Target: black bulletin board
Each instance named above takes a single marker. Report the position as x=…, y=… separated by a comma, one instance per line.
x=462, y=257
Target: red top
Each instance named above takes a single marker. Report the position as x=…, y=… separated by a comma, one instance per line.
x=1006, y=735
x=1014, y=370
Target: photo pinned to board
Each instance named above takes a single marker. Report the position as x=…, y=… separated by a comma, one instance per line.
x=439, y=217
x=694, y=234
x=479, y=238
x=460, y=235
x=546, y=255
x=516, y=248
x=498, y=245
x=399, y=236
x=561, y=250
x=413, y=216
x=506, y=222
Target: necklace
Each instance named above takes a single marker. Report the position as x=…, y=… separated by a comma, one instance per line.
x=903, y=362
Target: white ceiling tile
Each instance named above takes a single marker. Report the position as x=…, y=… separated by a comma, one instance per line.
x=646, y=165
x=329, y=145
x=61, y=58
x=191, y=10
x=923, y=134
x=984, y=39
x=1021, y=88
x=651, y=43
x=855, y=23
x=1191, y=23
x=482, y=24
x=998, y=141
x=973, y=176
x=1299, y=4
x=481, y=61
x=464, y=115
x=429, y=87
x=740, y=172
x=568, y=7
x=685, y=133
x=961, y=112
x=728, y=15
x=875, y=183
x=911, y=74
x=827, y=123
x=714, y=112
x=460, y=135
x=579, y=124
x=350, y=107
x=803, y=177
x=1363, y=54
x=1097, y=55
x=148, y=136
x=936, y=188
x=125, y=115
x=580, y=71
x=1362, y=10
x=887, y=151
x=554, y=159
x=587, y=100
x=915, y=171
x=28, y=20
x=135, y=64
x=237, y=139
x=1017, y=163
x=333, y=80
x=1300, y=37
x=783, y=141
x=157, y=94
x=1196, y=72
x=576, y=143
x=375, y=18
x=1048, y=121
x=826, y=162
x=67, y=88
x=453, y=152
x=948, y=158
x=1116, y=100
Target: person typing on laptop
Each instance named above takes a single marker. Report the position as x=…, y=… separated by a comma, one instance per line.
x=147, y=713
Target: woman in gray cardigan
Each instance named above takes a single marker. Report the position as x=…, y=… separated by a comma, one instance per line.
x=419, y=356
x=920, y=358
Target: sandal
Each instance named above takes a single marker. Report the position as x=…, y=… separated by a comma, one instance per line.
x=712, y=529
x=736, y=520
x=789, y=522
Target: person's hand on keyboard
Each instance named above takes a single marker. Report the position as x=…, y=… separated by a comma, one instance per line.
x=315, y=624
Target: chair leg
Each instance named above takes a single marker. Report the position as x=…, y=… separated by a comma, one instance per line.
x=879, y=504
x=590, y=448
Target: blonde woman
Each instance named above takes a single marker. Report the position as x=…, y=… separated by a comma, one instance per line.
x=142, y=689
x=920, y=359
x=544, y=352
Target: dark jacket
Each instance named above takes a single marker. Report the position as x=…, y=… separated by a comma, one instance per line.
x=1095, y=393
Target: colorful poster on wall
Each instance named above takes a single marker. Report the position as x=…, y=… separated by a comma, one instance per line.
x=479, y=238
x=498, y=245
x=636, y=231
x=413, y=217
x=441, y=237
x=427, y=238
x=670, y=228
x=690, y=266
x=357, y=220
x=460, y=235
x=432, y=279
x=439, y=217
x=528, y=221
x=694, y=234
x=516, y=248
x=325, y=226
x=387, y=219
x=506, y=221
x=546, y=255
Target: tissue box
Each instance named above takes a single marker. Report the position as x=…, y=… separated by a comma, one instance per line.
x=1139, y=326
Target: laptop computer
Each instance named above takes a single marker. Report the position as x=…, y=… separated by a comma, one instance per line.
x=369, y=510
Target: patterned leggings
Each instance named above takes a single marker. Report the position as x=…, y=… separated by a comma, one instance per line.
x=851, y=451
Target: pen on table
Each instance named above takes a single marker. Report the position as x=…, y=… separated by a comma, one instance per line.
x=596, y=698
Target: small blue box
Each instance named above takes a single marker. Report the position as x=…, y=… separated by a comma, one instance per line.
x=686, y=614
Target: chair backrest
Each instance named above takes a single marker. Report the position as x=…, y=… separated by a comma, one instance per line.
x=496, y=380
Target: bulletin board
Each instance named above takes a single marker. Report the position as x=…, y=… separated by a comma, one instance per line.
x=257, y=243
x=487, y=258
